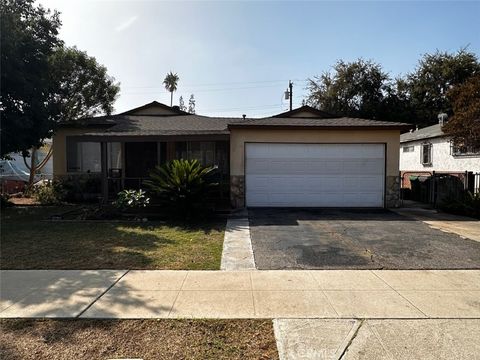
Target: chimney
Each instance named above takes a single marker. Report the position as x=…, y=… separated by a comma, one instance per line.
x=244, y=116
x=442, y=118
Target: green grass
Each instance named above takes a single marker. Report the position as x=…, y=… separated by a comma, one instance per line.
x=27, y=242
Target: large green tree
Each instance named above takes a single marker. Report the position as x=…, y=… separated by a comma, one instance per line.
x=82, y=87
x=464, y=125
x=357, y=89
x=425, y=89
x=44, y=82
x=28, y=37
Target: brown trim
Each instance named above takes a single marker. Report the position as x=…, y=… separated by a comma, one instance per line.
x=149, y=138
x=337, y=127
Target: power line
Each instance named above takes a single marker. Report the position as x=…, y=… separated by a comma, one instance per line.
x=204, y=90
x=256, y=107
x=220, y=83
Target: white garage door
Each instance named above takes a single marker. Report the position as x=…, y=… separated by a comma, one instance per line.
x=323, y=175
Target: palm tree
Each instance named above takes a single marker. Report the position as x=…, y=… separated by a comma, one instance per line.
x=170, y=83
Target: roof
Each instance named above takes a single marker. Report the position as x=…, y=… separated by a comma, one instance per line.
x=161, y=110
x=293, y=122
x=303, y=110
x=428, y=132
x=156, y=119
x=135, y=125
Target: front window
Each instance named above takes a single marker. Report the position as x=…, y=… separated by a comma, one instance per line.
x=206, y=152
x=83, y=157
x=408, y=149
x=464, y=150
x=426, y=156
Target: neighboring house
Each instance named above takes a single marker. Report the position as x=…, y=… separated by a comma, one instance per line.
x=302, y=157
x=14, y=174
x=429, y=149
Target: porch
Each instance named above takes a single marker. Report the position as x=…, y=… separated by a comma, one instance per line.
x=126, y=163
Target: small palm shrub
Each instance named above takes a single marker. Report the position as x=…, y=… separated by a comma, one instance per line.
x=131, y=199
x=182, y=185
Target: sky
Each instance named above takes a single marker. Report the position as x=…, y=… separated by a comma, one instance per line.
x=237, y=57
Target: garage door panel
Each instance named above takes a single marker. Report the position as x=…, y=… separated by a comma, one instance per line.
x=315, y=175
x=363, y=166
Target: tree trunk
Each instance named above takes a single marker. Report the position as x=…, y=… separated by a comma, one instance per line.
x=171, y=98
x=33, y=169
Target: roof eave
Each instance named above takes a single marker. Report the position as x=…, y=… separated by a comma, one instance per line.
x=328, y=127
x=423, y=138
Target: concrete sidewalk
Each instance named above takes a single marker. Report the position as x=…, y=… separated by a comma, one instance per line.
x=465, y=227
x=241, y=294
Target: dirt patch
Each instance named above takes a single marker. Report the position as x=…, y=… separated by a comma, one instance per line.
x=23, y=201
x=145, y=339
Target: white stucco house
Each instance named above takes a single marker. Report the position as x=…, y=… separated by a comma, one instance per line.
x=429, y=149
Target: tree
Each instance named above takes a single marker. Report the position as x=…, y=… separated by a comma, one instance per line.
x=464, y=125
x=42, y=81
x=181, y=104
x=426, y=88
x=191, y=104
x=82, y=87
x=28, y=37
x=355, y=89
x=170, y=82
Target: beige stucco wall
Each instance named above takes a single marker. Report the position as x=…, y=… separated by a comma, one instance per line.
x=238, y=138
x=60, y=148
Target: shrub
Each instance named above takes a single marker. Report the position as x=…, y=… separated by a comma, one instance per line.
x=4, y=201
x=131, y=199
x=468, y=204
x=182, y=185
x=47, y=194
x=80, y=188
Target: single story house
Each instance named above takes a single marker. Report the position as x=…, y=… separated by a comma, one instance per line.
x=429, y=149
x=300, y=158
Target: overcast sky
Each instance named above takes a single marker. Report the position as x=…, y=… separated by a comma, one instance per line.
x=237, y=57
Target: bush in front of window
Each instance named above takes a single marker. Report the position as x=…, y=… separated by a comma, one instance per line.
x=183, y=186
x=80, y=188
x=48, y=193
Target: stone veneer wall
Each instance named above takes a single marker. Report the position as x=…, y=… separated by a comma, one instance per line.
x=237, y=191
x=392, y=192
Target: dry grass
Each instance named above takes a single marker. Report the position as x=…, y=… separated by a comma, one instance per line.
x=145, y=339
x=30, y=243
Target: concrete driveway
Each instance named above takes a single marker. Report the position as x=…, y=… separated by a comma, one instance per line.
x=354, y=239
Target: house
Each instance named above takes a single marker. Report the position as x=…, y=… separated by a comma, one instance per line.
x=303, y=157
x=429, y=150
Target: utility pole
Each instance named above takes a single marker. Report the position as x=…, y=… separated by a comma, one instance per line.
x=289, y=94
x=290, y=85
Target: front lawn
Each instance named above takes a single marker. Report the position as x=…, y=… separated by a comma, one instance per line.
x=27, y=242
x=140, y=339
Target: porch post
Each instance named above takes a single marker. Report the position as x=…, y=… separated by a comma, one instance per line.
x=103, y=157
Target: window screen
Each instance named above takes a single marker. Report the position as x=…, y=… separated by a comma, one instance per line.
x=83, y=156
